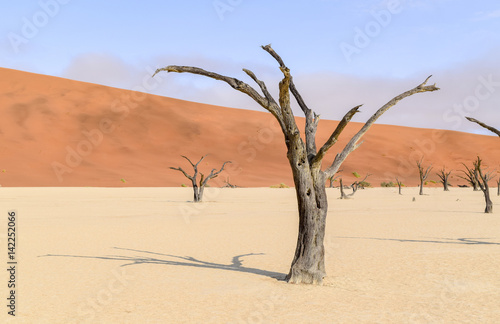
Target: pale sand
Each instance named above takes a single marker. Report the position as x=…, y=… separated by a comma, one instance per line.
x=388, y=259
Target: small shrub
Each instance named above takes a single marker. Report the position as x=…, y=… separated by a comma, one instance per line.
x=388, y=184
x=364, y=184
x=356, y=174
x=183, y=185
x=123, y=180
x=281, y=185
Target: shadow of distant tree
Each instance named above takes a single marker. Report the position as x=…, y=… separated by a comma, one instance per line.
x=466, y=241
x=184, y=261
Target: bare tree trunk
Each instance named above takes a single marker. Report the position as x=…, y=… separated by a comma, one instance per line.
x=308, y=265
x=342, y=194
x=423, y=174
x=498, y=187
x=482, y=180
x=489, y=204
x=197, y=197
x=400, y=184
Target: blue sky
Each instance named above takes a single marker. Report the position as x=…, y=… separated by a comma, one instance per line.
x=341, y=53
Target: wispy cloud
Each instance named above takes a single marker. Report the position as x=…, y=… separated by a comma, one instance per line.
x=482, y=16
x=471, y=89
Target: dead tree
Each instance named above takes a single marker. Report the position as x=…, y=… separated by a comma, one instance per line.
x=482, y=180
x=199, y=187
x=443, y=176
x=470, y=175
x=333, y=178
x=498, y=187
x=308, y=265
x=229, y=185
x=423, y=174
x=342, y=193
x=491, y=129
x=400, y=184
x=357, y=184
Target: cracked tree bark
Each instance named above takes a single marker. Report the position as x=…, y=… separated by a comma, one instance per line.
x=308, y=265
x=198, y=188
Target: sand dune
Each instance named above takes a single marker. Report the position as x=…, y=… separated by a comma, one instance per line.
x=145, y=255
x=58, y=132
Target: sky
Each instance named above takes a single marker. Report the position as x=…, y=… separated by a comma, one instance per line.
x=340, y=53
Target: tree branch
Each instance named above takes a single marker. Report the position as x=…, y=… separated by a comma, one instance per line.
x=292, y=131
x=184, y=172
x=194, y=165
x=491, y=129
x=262, y=86
x=312, y=119
x=212, y=174
x=233, y=82
x=351, y=146
x=316, y=162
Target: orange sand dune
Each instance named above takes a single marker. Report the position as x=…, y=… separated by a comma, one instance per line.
x=58, y=132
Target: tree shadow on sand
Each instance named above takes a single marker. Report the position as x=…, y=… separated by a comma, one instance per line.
x=465, y=241
x=184, y=261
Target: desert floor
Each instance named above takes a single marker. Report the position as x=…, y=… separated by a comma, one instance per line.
x=148, y=255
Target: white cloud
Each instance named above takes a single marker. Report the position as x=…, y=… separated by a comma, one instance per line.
x=329, y=94
x=481, y=16
x=100, y=68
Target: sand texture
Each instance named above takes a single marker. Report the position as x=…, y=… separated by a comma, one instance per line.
x=148, y=255
x=58, y=132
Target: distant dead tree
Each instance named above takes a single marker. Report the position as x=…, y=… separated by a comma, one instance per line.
x=400, y=184
x=333, y=178
x=482, y=180
x=308, y=265
x=491, y=129
x=498, y=187
x=423, y=174
x=199, y=187
x=443, y=176
x=342, y=193
x=228, y=184
x=358, y=184
x=470, y=175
